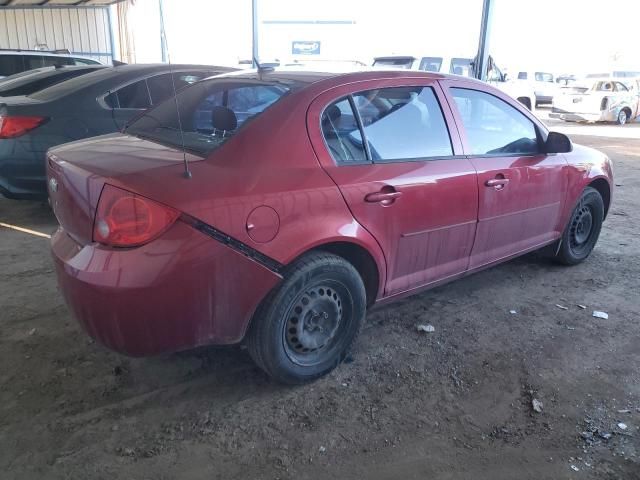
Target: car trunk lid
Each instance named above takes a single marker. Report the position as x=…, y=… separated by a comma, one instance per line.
x=78, y=171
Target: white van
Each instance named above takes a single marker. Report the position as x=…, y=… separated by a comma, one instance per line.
x=458, y=66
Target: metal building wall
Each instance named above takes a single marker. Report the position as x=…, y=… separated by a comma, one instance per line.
x=83, y=31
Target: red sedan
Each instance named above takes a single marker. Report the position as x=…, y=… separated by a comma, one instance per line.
x=276, y=207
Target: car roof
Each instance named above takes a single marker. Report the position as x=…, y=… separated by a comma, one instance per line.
x=331, y=79
x=36, y=52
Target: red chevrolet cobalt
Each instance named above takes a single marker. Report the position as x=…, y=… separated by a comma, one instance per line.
x=273, y=208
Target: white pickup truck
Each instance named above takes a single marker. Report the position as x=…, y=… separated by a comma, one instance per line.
x=459, y=66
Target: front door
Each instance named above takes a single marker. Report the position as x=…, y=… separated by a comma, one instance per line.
x=521, y=189
x=407, y=183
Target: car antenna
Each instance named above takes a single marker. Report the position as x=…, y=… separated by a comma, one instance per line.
x=187, y=172
x=264, y=68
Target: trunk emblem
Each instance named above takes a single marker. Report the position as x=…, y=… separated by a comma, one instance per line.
x=53, y=185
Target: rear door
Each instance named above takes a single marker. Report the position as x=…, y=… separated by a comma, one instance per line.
x=521, y=189
x=407, y=183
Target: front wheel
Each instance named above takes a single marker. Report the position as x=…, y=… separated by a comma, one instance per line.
x=622, y=117
x=306, y=326
x=582, y=231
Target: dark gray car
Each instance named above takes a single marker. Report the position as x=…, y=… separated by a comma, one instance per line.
x=93, y=104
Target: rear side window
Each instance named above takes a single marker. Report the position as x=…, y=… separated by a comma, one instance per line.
x=494, y=127
x=134, y=95
x=211, y=111
x=341, y=133
x=403, y=123
x=161, y=87
x=522, y=75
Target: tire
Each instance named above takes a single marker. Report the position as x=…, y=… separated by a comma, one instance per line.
x=582, y=232
x=622, y=118
x=305, y=327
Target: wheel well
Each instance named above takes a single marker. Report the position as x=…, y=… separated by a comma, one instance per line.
x=363, y=262
x=525, y=101
x=602, y=186
x=628, y=110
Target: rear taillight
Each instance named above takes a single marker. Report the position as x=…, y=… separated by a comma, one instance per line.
x=124, y=219
x=14, y=126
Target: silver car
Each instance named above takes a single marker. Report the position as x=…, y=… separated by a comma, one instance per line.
x=599, y=100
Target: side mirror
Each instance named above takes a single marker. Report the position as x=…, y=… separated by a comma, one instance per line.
x=557, y=143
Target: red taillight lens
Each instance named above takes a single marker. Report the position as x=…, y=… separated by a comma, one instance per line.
x=11, y=126
x=124, y=219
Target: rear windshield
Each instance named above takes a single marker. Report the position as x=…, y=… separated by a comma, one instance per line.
x=211, y=112
x=398, y=62
x=29, y=84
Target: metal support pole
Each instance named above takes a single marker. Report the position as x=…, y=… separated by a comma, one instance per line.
x=163, y=39
x=254, y=21
x=482, y=58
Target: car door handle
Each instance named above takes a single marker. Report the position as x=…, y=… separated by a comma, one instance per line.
x=383, y=197
x=497, y=182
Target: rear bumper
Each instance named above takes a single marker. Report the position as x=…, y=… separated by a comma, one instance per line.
x=180, y=291
x=577, y=117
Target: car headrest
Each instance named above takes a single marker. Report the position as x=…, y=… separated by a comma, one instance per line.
x=223, y=118
x=331, y=114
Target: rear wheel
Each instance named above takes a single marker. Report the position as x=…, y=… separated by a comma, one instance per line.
x=582, y=231
x=305, y=327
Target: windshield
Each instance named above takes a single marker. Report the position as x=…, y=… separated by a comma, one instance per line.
x=400, y=62
x=211, y=112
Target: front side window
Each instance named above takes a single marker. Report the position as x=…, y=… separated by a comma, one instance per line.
x=620, y=87
x=431, y=64
x=522, y=75
x=51, y=61
x=403, y=123
x=210, y=112
x=400, y=62
x=11, y=64
x=461, y=66
x=494, y=127
x=341, y=133
x=544, y=77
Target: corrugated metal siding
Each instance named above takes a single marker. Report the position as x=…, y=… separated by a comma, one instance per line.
x=83, y=31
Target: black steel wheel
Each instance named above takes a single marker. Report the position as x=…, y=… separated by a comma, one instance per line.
x=582, y=232
x=306, y=326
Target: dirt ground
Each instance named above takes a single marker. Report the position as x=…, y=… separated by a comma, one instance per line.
x=452, y=404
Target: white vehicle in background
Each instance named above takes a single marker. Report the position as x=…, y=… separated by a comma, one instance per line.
x=18, y=61
x=543, y=84
x=599, y=100
x=459, y=66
